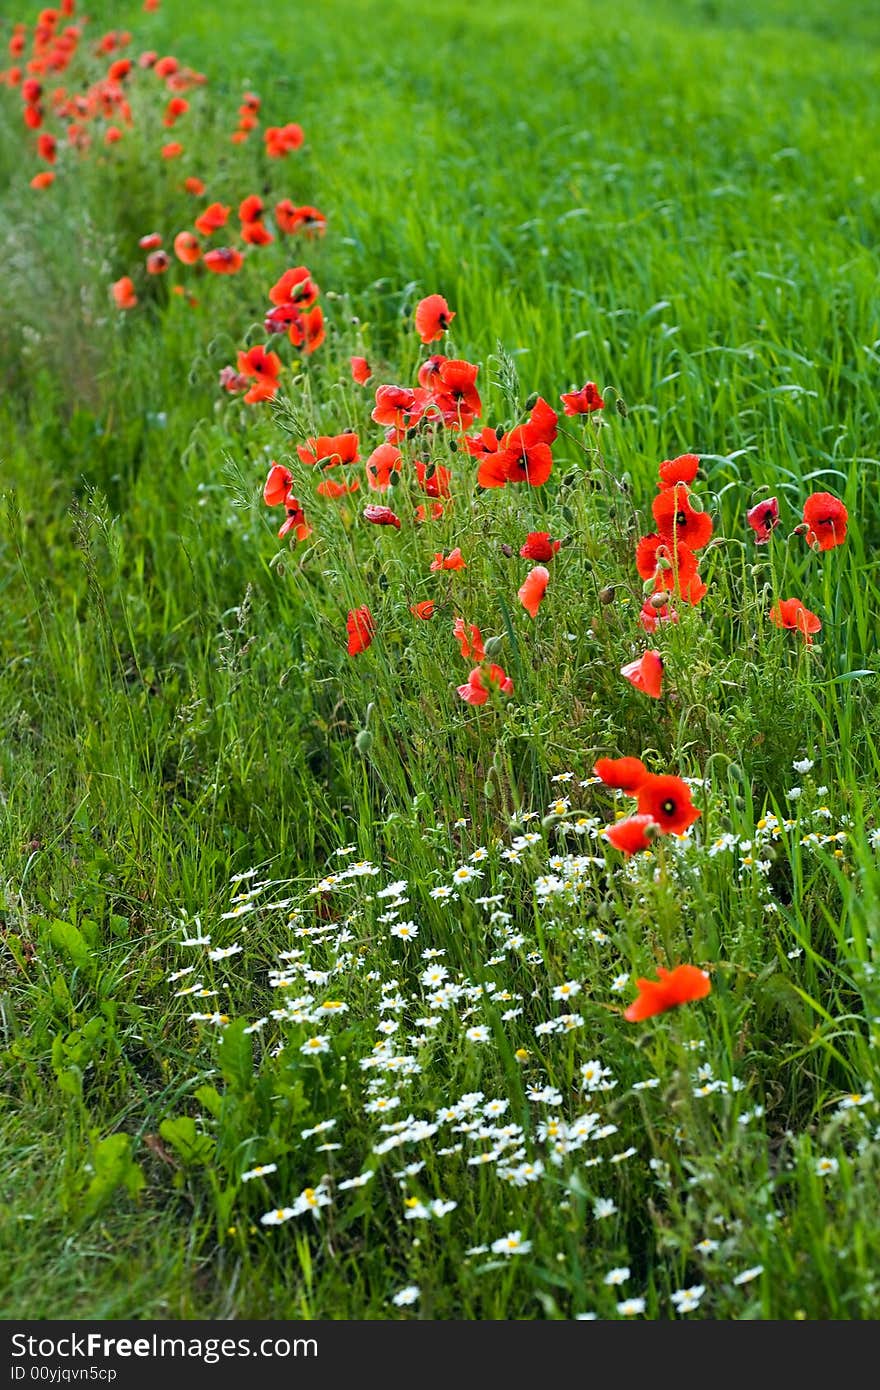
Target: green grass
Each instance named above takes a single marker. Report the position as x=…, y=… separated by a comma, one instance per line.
x=679, y=203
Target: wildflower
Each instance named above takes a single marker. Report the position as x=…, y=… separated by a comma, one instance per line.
x=668, y=800
x=277, y=1218
x=688, y=1300
x=603, y=1207
x=678, y=470
x=748, y=1275
x=524, y=454
x=187, y=248
x=646, y=674
x=763, y=519
x=261, y=1170
x=383, y=464
x=790, y=613
x=316, y=1045
x=826, y=1167
x=361, y=629
x=825, y=519
x=532, y=590
x=678, y=523
x=476, y=691
x=263, y=368
x=584, y=401
x=123, y=293
x=614, y=1277
x=381, y=516
x=627, y=774
x=511, y=1244
x=453, y=561
x=539, y=546
x=679, y=986
x=631, y=1307
x=224, y=261
x=360, y=370
x=432, y=318
x=212, y=219
x=470, y=640
x=405, y=1297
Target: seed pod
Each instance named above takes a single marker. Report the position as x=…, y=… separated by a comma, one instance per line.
x=606, y=595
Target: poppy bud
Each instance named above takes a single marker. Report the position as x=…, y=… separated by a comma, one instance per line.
x=393, y=478
x=620, y=406
x=364, y=742
x=606, y=595
x=569, y=480
x=532, y=401
x=659, y=600
x=430, y=470
x=694, y=502
x=566, y=542
x=506, y=551
x=453, y=446
x=569, y=515
x=492, y=646
x=648, y=587
x=383, y=582
x=488, y=788
x=500, y=431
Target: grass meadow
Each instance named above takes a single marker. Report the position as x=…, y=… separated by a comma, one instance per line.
x=313, y=973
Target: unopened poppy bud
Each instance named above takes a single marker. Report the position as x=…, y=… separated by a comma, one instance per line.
x=532, y=401
x=453, y=446
x=383, y=582
x=506, y=551
x=492, y=646
x=566, y=542
x=620, y=407
x=430, y=470
x=663, y=562
x=694, y=502
x=659, y=600
x=500, y=431
x=569, y=515
x=364, y=742
x=411, y=432
x=393, y=478
x=488, y=788
x=606, y=595
x=648, y=587
x=569, y=480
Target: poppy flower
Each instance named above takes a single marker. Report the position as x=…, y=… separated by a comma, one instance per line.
x=382, y=463
x=481, y=445
x=33, y=117
x=308, y=220
x=312, y=329
x=158, y=262
x=187, y=248
x=166, y=66
x=45, y=179
x=361, y=629
x=329, y=450
x=381, y=516
x=434, y=479
x=360, y=370
x=520, y=459
x=330, y=488
x=627, y=774
x=296, y=286
x=285, y=215
x=825, y=518
x=276, y=489
x=543, y=422
x=176, y=107
x=422, y=514
x=250, y=209
x=280, y=140
x=123, y=292
x=763, y=519
x=453, y=561
x=432, y=318
x=682, y=985
x=668, y=800
x=212, y=219
x=650, y=617
x=295, y=521
x=224, y=261
x=263, y=368
x=231, y=380
x=481, y=681
x=679, y=470
x=424, y=610
x=150, y=242
x=173, y=150
x=469, y=639
x=256, y=233
x=194, y=185
x=285, y=318
x=672, y=566
x=646, y=674
x=47, y=147
x=676, y=520
x=584, y=401
x=113, y=135
x=455, y=392
x=533, y=588
x=398, y=406
x=790, y=613
x=538, y=546
x=632, y=834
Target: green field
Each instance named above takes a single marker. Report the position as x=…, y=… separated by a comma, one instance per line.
x=680, y=203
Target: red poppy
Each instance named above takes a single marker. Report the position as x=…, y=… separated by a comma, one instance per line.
x=763, y=519
x=212, y=219
x=429, y=371
x=481, y=681
x=285, y=215
x=224, y=261
x=627, y=774
x=361, y=629
x=382, y=463
x=533, y=588
x=650, y=617
x=399, y=407
x=329, y=450
x=825, y=518
x=672, y=566
x=172, y=150
x=47, y=147
x=538, y=546
x=453, y=561
x=176, y=107
x=113, y=135
x=280, y=140
x=194, y=186
x=231, y=380
x=682, y=985
x=679, y=470
x=278, y=492
x=469, y=639
x=455, y=392
x=677, y=521
x=433, y=317
x=483, y=444
x=543, y=422
x=646, y=674
x=256, y=233
x=668, y=800
x=519, y=460
x=150, y=242
x=434, y=479
x=790, y=613
x=308, y=220
x=32, y=117
x=45, y=179
x=360, y=370
x=187, y=248
x=381, y=516
x=123, y=291
x=296, y=286
x=584, y=401
x=250, y=209
x=263, y=368
x=421, y=514
x=312, y=330
x=330, y=488
x=424, y=610
x=631, y=835
x=158, y=262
